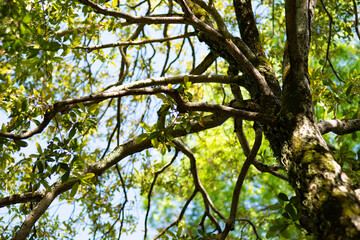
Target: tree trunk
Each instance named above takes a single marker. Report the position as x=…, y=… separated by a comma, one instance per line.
x=329, y=206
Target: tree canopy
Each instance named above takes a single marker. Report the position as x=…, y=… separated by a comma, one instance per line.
x=220, y=119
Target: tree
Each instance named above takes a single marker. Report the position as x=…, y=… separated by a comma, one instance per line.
x=78, y=74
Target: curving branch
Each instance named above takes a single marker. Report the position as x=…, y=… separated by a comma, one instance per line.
x=164, y=81
x=330, y=30
x=327, y=57
x=193, y=168
x=40, y=209
x=134, y=43
x=252, y=225
x=236, y=194
x=339, y=127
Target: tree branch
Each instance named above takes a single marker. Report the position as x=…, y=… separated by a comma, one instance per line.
x=182, y=106
x=164, y=81
x=239, y=183
x=133, y=43
x=40, y=209
x=157, y=173
x=356, y=20
x=22, y=198
x=205, y=64
x=131, y=18
x=180, y=215
x=253, y=225
x=238, y=127
x=339, y=127
x=199, y=186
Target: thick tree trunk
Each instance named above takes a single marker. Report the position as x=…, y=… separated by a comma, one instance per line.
x=330, y=207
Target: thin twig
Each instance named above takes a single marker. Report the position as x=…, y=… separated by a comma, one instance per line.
x=239, y=183
x=272, y=169
x=330, y=30
x=122, y=212
x=180, y=215
x=252, y=224
x=356, y=21
x=157, y=173
x=131, y=18
x=327, y=58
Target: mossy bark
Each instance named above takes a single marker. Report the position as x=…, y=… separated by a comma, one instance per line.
x=330, y=207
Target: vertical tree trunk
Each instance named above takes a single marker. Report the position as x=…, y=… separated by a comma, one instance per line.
x=330, y=207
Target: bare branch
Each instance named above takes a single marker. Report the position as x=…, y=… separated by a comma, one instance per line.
x=215, y=14
x=164, y=81
x=134, y=43
x=22, y=198
x=205, y=64
x=239, y=183
x=272, y=169
x=131, y=18
x=339, y=127
x=330, y=29
x=247, y=26
x=327, y=57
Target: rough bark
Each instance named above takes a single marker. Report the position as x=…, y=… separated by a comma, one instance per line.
x=330, y=207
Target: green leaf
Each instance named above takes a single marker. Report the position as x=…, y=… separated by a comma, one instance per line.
x=145, y=126
x=283, y=197
x=114, y=3
x=13, y=120
x=3, y=128
x=21, y=143
x=160, y=96
x=172, y=235
x=142, y=137
x=155, y=142
x=38, y=147
x=276, y=206
x=74, y=189
x=290, y=209
x=27, y=18
x=348, y=90
x=72, y=132
x=75, y=42
x=88, y=176
x=81, y=106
